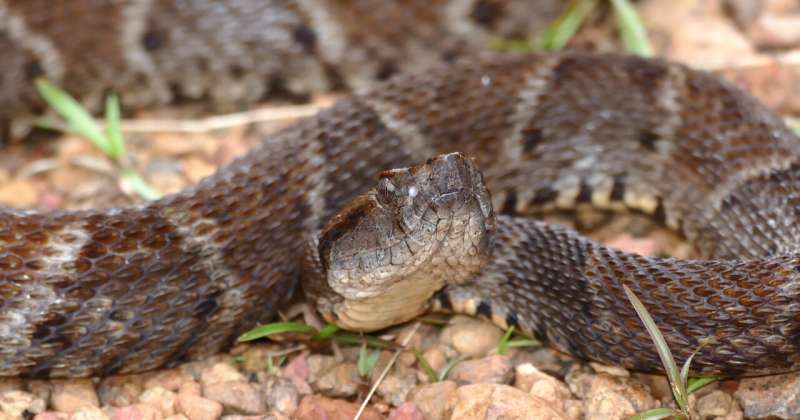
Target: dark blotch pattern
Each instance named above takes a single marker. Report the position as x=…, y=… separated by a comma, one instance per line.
x=153, y=40
x=486, y=12
x=584, y=194
x=306, y=37
x=444, y=301
x=544, y=196
x=484, y=309
x=511, y=320
x=510, y=203
x=648, y=139
x=531, y=137
x=33, y=69
x=386, y=70
x=618, y=188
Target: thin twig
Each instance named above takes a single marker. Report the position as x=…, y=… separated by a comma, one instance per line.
x=389, y=365
x=219, y=122
x=793, y=123
x=786, y=61
x=288, y=351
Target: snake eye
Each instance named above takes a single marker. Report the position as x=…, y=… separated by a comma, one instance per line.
x=397, y=190
x=387, y=192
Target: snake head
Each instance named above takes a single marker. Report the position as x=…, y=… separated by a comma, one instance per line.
x=389, y=250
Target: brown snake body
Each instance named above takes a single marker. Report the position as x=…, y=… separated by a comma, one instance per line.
x=126, y=290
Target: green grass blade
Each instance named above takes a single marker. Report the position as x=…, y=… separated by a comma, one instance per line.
x=502, y=346
x=139, y=185
x=673, y=374
x=367, y=360
x=77, y=118
x=272, y=367
x=631, y=29
x=449, y=366
x=326, y=332
x=558, y=34
x=697, y=382
x=276, y=328
x=52, y=124
x=110, y=141
x=423, y=362
x=116, y=142
x=523, y=342
x=512, y=45
x=657, y=414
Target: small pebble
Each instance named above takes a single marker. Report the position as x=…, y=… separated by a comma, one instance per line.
x=406, y=411
x=190, y=388
x=542, y=385
x=340, y=381
x=160, y=398
x=471, y=337
x=484, y=401
x=436, y=358
x=281, y=394
x=48, y=415
x=16, y=403
x=298, y=366
x=431, y=399
x=237, y=396
x=10, y=384
x=89, y=413
x=315, y=407
x=170, y=379
x=120, y=391
x=221, y=372
x=611, y=370
x=491, y=369
x=770, y=396
x=71, y=395
x=140, y=411
x=609, y=397
x=717, y=403
x=198, y=408
x=395, y=386
x=659, y=385
x=318, y=364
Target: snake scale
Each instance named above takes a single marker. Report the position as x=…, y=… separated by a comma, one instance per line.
x=103, y=292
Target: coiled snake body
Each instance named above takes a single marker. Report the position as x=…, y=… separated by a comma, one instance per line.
x=127, y=290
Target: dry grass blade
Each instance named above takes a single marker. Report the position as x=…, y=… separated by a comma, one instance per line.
x=793, y=123
x=673, y=373
x=219, y=122
x=385, y=371
x=656, y=414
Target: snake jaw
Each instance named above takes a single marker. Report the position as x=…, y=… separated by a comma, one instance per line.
x=388, y=251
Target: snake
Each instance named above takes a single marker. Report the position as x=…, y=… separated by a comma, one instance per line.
x=414, y=195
